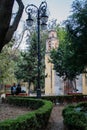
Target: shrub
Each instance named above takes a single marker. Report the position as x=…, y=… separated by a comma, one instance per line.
x=73, y=119
x=35, y=120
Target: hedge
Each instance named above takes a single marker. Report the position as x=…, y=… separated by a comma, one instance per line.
x=66, y=98
x=73, y=119
x=34, y=120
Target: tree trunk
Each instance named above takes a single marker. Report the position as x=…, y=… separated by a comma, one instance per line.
x=7, y=31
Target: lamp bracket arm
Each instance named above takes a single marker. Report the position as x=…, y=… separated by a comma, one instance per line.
x=43, y=6
x=28, y=9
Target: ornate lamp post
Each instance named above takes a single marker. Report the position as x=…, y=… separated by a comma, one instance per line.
x=42, y=18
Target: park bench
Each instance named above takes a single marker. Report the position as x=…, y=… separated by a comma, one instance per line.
x=8, y=91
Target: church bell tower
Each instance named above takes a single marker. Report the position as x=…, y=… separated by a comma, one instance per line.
x=50, y=80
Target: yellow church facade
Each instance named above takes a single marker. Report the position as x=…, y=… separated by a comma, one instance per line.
x=84, y=88
x=54, y=85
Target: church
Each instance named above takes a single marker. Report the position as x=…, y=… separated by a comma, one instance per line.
x=54, y=85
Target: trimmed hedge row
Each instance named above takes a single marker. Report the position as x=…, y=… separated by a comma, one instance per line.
x=35, y=120
x=75, y=119
x=66, y=98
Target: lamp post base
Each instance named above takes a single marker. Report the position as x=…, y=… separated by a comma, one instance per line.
x=38, y=93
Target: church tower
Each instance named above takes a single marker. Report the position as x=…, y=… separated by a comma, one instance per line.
x=51, y=80
x=54, y=85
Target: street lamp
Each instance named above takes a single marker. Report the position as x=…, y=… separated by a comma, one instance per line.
x=42, y=18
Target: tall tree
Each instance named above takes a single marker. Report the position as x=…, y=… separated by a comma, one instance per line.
x=7, y=65
x=64, y=58
x=72, y=53
x=77, y=30
x=28, y=66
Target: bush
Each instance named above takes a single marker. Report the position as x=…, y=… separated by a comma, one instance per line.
x=66, y=98
x=73, y=119
x=35, y=120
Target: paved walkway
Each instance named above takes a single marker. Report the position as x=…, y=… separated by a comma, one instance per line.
x=56, y=119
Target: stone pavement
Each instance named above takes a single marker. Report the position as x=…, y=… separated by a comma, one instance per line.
x=56, y=119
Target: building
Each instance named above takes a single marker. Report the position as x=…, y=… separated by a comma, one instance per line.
x=54, y=85
x=52, y=81
x=84, y=88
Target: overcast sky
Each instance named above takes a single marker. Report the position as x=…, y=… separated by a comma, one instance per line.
x=59, y=9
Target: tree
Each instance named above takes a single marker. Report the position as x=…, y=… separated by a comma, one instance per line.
x=28, y=63
x=7, y=30
x=64, y=58
x=27, y=67
x=71, y=56
x=7, y=64
x=77, y=31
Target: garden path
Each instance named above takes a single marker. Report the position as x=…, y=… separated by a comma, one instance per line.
x=56, y=119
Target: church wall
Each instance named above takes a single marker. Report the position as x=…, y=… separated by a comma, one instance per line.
x=48, y=86
x=79, y=84
x=58, y=85
x=84, y=89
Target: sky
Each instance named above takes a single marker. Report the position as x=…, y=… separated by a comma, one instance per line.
x=58, y=9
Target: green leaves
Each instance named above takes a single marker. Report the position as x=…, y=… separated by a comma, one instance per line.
x=27, y=67
x=77, y=30
x=70, y=58
x=7, y=65
x=64, y=58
